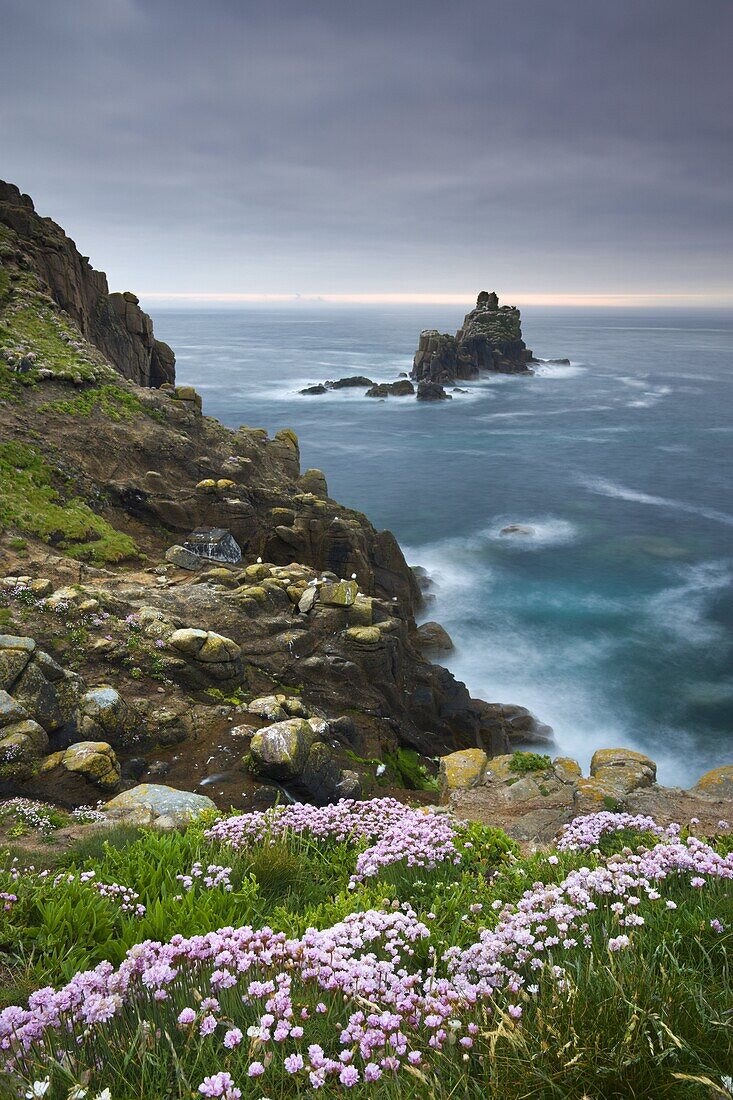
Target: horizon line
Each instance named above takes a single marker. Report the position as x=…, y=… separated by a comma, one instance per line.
x=602, y=299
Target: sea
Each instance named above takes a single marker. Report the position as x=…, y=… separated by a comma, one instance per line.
x=612, y=618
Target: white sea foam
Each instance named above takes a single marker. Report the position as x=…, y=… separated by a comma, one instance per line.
x=634, y=383
x=682, y=610
x=607, y=488
x=535, y=534
x=562, y=678
x=558, y=371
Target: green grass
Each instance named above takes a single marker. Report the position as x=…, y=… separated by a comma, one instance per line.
x=32, y=502
x=407, y=769
x=32, y=325
x=652, y=1023
x=111, y=401
x=524, y=762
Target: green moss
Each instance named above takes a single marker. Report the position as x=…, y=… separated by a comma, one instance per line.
x=109, y=400
x=234, y=699
x=523, y=762
x=9, y=386
x=30, y=501
x=409, y=771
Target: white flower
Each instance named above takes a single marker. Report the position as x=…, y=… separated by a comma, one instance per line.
x=105, y=1094
x=77, y=1092
x=39, y=1088
x=381, y=769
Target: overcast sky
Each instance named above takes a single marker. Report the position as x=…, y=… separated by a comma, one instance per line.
x=362, y=147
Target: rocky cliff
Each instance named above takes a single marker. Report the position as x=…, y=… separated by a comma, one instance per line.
x=490, y=339
x=39, y=258
x=110, y=490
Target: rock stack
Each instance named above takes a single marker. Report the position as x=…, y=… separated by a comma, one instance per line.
x=490, y=339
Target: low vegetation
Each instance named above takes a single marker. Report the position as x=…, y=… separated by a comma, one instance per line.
x=111, y=401
x=524, y=762
x=33, y=500
x=374, y=948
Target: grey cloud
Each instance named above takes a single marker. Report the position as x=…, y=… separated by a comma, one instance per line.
x=329, y=147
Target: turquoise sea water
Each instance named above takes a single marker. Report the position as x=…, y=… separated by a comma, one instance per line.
x=614, y=621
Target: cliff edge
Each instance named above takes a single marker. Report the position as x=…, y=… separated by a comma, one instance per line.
x=164, y=579
x=41, y=260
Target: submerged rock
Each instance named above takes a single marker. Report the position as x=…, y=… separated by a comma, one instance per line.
x=518, y=529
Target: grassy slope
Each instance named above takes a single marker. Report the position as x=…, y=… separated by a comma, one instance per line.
x=38, y=497
x=652, y=1021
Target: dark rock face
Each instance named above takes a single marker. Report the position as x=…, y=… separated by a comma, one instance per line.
x=215, y=543
x=314, y=391
x=114, y=323
x=354, y=381
x=402, y=388
x=433, y=636
x=431, y=391
x=490, y=339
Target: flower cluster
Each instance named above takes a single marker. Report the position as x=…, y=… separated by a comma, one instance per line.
x=127, y=899
x=8, y=900
x=584, y=833
x=32, y=815
x=395, y=998
x=213, y=876
x=88, y=815
x=394, y=833
x=552, y=916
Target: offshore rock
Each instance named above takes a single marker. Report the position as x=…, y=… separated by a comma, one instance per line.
x=431, y=391
x=354, y=381
x=402, y=388
x=490, y=339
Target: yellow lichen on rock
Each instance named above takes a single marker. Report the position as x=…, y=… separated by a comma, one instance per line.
x=459, y=771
